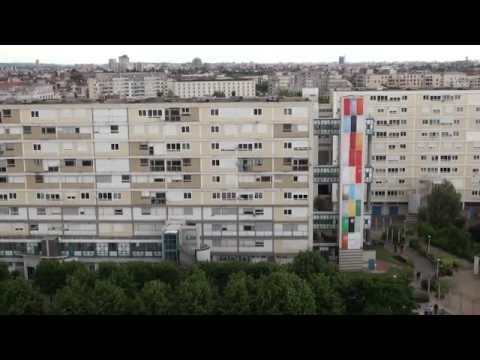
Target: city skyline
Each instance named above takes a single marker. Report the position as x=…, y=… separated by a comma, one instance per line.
x=99, y=54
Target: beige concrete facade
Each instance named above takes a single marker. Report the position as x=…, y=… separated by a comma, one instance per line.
x=112, y=171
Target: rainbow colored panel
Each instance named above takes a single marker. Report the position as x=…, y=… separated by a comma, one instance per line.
x=351, y=173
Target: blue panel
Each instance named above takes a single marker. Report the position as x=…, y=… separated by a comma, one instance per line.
x=346, y=125
x=377, y=210
x=354, y=123
x=393, y=210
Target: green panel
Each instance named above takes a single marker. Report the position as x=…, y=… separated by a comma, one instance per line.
x=345, y=225
x=358, y=209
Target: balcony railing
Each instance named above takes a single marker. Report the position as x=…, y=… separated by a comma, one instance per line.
x=326, y=174
x=326, y=127
x=325, y=221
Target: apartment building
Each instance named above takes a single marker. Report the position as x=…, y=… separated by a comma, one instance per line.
x=128, y=85
x=200, y=88
x=421, y=137
x=144, y=86
x=106, y=179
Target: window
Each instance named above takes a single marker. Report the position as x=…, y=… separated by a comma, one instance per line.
x=143, y=147
x=214, y=112
x=69, y=162
x=48, y=130
x=186, y=146
x=185, y=129
x=114, y=129
x=37, y=147
x=146, y=211
x=114, y=146
x=33, y=227
x=34, y=114
x=118, y=212
x=287, y=128
x=287, y=111
x=287, y=195
x=86, y=162
x=257, y=112
x=85, y=196
x=27, y=130
x=287, y=145
x=187, y=178
x=215, y=146
x=287, y=211
x=187, y=195
x=39, y=179
x=214, y=129
x=404, y=110
x=125, y=178
x=216, y=179
x=215, y=162
x=14, y=211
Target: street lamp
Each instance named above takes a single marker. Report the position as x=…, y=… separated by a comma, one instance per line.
x=428, y=246
x=438, y=277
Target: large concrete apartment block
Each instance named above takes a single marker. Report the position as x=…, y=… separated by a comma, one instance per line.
x=421, y=137
x=105, y=179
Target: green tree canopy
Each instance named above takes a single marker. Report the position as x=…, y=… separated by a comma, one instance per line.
x=284, y=293
x=154, y=299
x=239, y=294
x=50, y=276
x=17, y=297
x=195, y=295
x=443, y=206
x=308, y=263
x=328, y=301
x=4, y=273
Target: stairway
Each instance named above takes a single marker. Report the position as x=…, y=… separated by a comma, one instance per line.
x=350, y=260
x=411, y=220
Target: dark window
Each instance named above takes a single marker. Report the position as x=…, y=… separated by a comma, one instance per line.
x=69, y=162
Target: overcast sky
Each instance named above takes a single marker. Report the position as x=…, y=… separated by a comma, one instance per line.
x=99, y=54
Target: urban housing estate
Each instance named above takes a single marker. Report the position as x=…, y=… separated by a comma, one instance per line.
x=108, y=181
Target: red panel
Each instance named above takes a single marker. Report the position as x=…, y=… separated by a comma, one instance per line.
x=346, y=106
x=351, y=158
x=345, y=242
x=359, y=106
x=358, y=167
x=353, y=141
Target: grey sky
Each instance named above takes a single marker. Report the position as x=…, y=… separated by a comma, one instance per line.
x=99, y=54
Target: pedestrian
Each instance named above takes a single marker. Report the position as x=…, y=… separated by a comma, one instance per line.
x=435, y=309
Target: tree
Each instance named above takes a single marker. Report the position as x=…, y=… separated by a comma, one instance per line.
x=109, y=299
x=307, y=263
x=238, y=294
x=18, y=298
x=261, y=88
x=284, y=293
x=4, y=273
x=76, y=297
x=195, y=295
x=327, y=300
x=443, y=206
x=219, y=94
x=154, y=298
x=364, y=293
x=50, y=276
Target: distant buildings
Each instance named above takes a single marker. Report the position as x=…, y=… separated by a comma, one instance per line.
x=151, y=85
x=123, y=63
x=20, y=92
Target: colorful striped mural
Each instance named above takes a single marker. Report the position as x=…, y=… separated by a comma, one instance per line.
x=351, y=173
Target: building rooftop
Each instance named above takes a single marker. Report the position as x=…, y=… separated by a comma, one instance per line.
x=159, y=100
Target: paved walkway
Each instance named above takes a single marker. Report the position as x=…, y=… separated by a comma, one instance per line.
x=464, y=295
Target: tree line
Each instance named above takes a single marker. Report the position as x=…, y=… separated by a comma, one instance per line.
x=308, y=286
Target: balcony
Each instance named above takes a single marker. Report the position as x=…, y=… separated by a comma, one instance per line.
x=326, y=127
x=326, y=174
x=325, y=220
